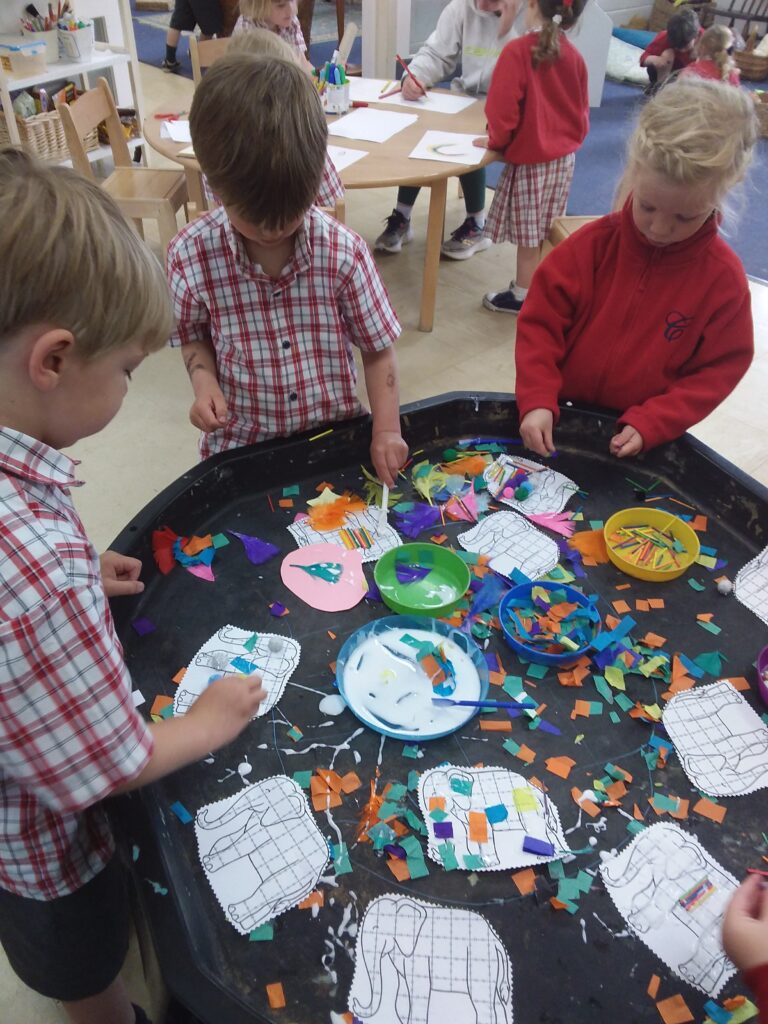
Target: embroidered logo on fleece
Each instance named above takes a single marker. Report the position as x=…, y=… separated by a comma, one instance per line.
x=676, y=323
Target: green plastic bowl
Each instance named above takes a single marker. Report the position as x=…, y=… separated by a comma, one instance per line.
x=439, y=591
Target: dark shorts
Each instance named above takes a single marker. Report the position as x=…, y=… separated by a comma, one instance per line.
x=72, y=947
x=205, y=13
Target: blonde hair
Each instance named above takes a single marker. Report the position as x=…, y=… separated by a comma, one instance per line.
x=694, y=132
x=713, y=45
x=260, y=42
x=69, y=258
x=256, y=10
x=557, y=16
x=260, y=137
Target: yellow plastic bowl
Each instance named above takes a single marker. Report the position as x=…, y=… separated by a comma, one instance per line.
x=662, y=521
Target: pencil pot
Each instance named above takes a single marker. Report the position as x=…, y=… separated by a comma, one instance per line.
x=337, y=98
x=77, y=44
x=51, y=40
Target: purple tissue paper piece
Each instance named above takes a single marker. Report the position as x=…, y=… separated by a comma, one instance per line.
x=537, y=846
x=276, y=609
x=492, y=660
x=407, y=573
x=396, y=851
x=413, y=522
x=443, y=830
x=143, y=626
x=373, y=594
x=545, y=726
x=256, y=550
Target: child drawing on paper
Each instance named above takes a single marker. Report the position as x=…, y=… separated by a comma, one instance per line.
x=647, y=310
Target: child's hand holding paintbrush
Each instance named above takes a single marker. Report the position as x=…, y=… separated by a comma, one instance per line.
x=410, y=86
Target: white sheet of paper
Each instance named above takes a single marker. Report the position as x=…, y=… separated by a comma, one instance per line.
x=342, y=157
x=176, y=130
x=371, y=125
x=672, y=893
x=447, y=148
x=720, y=740
x=550, y=493
x=273, y=657
x=383, y=538
x=428, y=963
x=751, y=585
x=369, y=90
x=529, y=812
x=512, y=543
x=261, y=851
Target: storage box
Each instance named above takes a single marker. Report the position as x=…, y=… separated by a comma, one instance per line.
x=51, y=40
x=751, y=65
x=43, y=135
x=23, y=59
x=77, y=44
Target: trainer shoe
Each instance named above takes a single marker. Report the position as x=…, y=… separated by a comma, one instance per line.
x=397, y=233
x=465, y=241
x=502, y=302
x=173, y=67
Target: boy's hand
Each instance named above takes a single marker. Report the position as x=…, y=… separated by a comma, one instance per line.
x=536, y=431
x=226, y=707
x=409, y=89
x=627, y=442
x=120, y=574
x=745, y=925
x=388, y=454
x=209, y=410
x=481, y=143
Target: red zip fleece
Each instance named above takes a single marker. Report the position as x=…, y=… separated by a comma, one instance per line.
x=757, y=979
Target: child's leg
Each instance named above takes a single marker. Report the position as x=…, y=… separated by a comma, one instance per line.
x=527, y=260
x=468, y=238
x=109, y=1007
x=406, y=199
x=398, y=231
x=209, y=17
x=182, y=20
x=473, y=187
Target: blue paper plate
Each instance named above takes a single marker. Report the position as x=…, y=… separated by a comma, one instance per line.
x=523, y=592
x=406, y=712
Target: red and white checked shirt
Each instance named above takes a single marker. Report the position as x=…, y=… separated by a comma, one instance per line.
x=69, y=733
x=292, y=34
x=283, y=347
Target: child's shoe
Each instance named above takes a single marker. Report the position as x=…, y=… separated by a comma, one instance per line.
x=395, y=235
x=172, y=67
x=465, y=241
x=503, y=302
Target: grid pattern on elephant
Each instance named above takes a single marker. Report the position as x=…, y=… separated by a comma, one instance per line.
x=550, y=490
x=262, y=853
x=382, y=538
x=751, y=585
x=450, y=951
x=721, y=742
x=274, y=663
x=507, y=535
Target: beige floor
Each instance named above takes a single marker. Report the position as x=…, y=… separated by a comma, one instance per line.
x=152, y=442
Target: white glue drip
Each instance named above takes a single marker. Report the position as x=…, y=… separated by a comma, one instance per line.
x=617, y=935
x=309, y=689
x=332, y=823
x=332, y=704
x=583, y=924
x=381, y=752
x=292, y=752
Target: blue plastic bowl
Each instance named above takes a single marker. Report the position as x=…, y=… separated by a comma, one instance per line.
x=523, y=592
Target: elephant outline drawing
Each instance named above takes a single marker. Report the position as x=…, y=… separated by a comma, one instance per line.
x=432, y=949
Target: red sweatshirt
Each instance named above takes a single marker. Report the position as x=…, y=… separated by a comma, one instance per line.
x=706, y=68
x=757, y=979
x=660, y=333
x=660, y=43
x=537, y=114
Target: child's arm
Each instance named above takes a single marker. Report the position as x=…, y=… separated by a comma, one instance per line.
x=720, y=360
x=745, y=936
x=388, y=449
x=209, y=409
x=502, y=108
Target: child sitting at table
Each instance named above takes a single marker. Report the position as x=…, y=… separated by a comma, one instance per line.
x=647, y=310
x=270, y=293
x=538, y=116
x=670, y=50
x=70, y=735
x=714, y=58
x=277, y=16
x=260, y=42
x=470, y=34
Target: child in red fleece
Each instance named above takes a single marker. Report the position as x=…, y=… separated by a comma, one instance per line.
x=745, y=937
x=538, y=116
x=647, y=310
x=672, y=49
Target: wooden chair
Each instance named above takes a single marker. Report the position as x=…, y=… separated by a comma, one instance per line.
x=140, y=192
x=203, y=54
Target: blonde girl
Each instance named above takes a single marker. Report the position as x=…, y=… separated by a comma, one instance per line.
x=647, y=311
x=714, y=58
x=278, y=16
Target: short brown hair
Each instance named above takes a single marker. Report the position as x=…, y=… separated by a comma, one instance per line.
x=68, y=258
x=260, y=137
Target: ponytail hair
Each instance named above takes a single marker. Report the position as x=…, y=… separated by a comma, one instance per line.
x=557, y=16
x=714, y=45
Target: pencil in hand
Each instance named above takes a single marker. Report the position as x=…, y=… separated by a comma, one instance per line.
x=408, y=72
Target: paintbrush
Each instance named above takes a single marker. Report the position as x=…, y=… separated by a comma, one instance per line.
x=448, y=702
x=382, y=521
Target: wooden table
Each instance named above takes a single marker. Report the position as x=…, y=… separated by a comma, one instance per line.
x=387, y=165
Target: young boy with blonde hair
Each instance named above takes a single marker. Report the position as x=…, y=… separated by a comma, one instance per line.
x=270, y=293
x=69, y=733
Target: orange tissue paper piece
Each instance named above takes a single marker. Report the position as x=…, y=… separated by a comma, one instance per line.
x=350, y=782
x=330, y=778
x=699, y=523
x=560, y=766
x=620, y=607
x=739, y=682
x=437, y=803
x=478, y=827
x=159, y=704
x=674, y=1010
x=495, y=725
x=315, y=899
x=525, y=881
x=656, y=603
x=653, y=986
x=526, y=754
x=285, y=503
x=276, y=996
x=591, y=543
x=325, y=801
x=470, y=465
x=333, y=515
x=588, y=806
x=653, y=640
x=179, y=676
x=708, y=809
x=399, y=868
x=197, y=544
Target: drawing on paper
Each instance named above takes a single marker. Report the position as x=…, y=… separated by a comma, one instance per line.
x=512, y=543
x=672, y=893
x=361, y=531
x=550, y=491
x=487, y=813
x=411, y=955
x=233, y=650
x=260, y=850
x=751, y=585
x=720, y=740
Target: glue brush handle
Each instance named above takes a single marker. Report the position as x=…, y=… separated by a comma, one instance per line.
x=500, y=704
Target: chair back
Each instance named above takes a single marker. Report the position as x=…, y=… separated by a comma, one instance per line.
x=85, y=114
x=203, y=54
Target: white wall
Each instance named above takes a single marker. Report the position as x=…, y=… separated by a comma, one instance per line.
x=621, y=11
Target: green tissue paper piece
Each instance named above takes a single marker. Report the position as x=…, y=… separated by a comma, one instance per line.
x=219, y=540
x=595, y=707
x=695, y=585
x=382, y=835
x=651, y=758
x=568, y=890
x=747, y=1011
x=264, y=933
x=555, y=869
x=295, y=733
x=412, y=847
x=614, y=717
x=511, y=747
x=596, y=524
x=473, y=862
x=665, y=803
x=711, y=662
x=602, y=687
x=512, y=685
x=251, y=642
x=411, y=751
x=341, y=864
x=417, y=868
x=415, y=822
x=290, y=492
x=396, y=791
x=304, y=779
x=413, y=780
x=536, y=671
x=462, y=786
x=389, y=809
x=584, y=881
x=437, y=814
x=624, y=702
x=167, y=712
x=710, y=627
x=447, y=853
x=634, y=827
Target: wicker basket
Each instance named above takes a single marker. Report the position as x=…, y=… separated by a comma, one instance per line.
x=761, y=108
x=663, y=9
x=751, y=66
x=43, y=134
